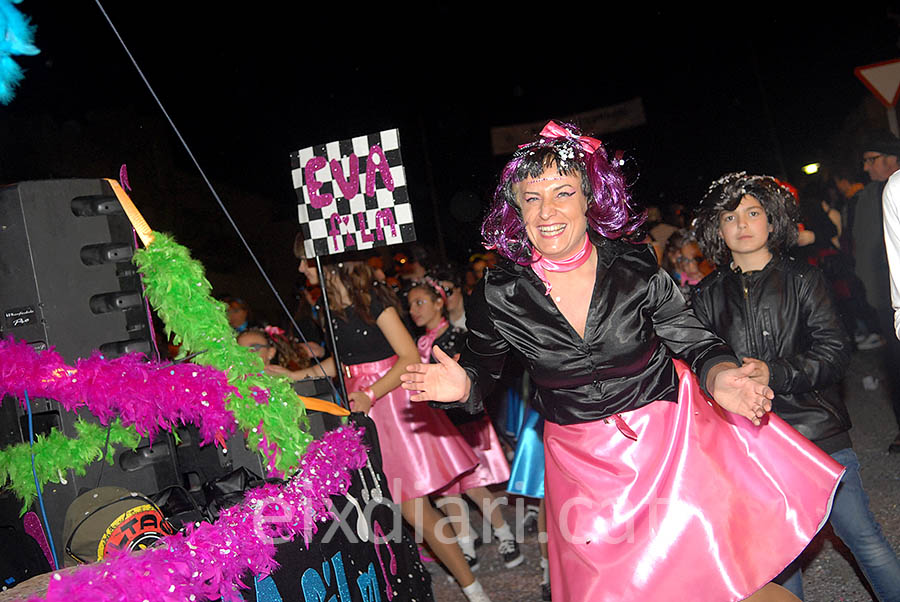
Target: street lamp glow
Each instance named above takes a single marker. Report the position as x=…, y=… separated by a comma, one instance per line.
x=810, y=169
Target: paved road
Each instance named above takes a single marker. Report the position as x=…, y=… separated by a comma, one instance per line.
x=830, y=574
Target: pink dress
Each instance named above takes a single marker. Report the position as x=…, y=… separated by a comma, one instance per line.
x=422, y=451
x=492, y=467
x=476, y=432
x=680, y=498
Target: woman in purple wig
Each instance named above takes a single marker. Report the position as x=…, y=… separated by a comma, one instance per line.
x=662, y=459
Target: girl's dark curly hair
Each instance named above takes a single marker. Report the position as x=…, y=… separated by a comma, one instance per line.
x=725, y=194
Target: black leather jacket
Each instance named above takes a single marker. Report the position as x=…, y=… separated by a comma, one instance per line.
x=637, y=322
x=784, y=315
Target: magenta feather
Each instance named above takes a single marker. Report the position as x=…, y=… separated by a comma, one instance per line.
x=150, y=396
x=209, y=561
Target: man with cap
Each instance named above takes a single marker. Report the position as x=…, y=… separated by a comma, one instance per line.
x=881, y=158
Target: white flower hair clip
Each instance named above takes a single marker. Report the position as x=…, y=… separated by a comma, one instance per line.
x=565, y=153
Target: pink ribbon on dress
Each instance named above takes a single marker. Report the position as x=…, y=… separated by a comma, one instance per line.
x=427, y=340
x=623, y=427
x=554, y=130
x=541, y=264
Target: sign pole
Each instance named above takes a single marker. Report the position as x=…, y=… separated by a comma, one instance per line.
x=345, y=401
x=352, y=196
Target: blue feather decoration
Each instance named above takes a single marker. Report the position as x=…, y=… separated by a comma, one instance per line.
x=16, y=38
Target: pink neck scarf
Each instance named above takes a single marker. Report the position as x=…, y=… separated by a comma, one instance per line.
x=541, y=264
x=688, y=280
x=427, y=340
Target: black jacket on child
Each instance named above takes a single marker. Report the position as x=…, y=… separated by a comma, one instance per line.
x=784, y=316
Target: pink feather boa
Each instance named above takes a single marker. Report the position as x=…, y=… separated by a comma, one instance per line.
x=150, y=396
x=209, y=561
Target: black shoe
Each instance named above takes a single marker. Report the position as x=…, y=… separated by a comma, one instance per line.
x=545, y=592
x=530, y=522
x=510, y=553
x=894, y=447
x=473, y=562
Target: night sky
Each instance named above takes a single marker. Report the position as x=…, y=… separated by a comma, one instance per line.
x=723, y=90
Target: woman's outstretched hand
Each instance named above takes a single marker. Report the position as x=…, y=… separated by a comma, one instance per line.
x=444, y=381
x=735, y=390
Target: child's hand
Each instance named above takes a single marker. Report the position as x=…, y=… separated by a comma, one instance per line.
x=359, y=402
x=277, y=370
x=760, y=370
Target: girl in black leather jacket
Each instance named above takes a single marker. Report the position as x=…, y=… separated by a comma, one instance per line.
x=777, y=314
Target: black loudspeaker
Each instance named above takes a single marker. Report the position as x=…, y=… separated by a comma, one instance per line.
x=147, y=469
x=238, y=453
x=65, y=264
x=68, y=282
x=201, y=465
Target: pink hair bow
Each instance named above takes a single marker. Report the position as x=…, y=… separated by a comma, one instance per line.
x=554, y=130
x=273, y=331
x=437, y=287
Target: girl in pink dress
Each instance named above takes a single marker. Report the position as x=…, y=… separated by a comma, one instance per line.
x=428, y=310
x=666, y=475
x=421, y=450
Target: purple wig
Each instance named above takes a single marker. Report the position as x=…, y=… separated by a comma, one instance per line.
x=609, y=210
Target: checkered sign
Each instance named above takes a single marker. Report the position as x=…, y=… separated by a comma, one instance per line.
x=352, y=194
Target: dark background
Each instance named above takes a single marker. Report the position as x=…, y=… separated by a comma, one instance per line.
x=765, y=91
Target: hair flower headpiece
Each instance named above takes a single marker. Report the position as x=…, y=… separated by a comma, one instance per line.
x=273, y=331
x=440, y=290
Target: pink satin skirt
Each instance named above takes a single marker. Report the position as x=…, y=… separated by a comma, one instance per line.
x=701, y=506
x=421, y=450
x=492, y=467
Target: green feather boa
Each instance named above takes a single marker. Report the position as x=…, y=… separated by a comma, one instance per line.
x=55, y=453
x=179, y=291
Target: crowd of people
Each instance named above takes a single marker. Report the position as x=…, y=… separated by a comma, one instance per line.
x=628, y=324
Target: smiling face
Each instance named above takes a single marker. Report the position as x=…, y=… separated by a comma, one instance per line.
x=553, y=208
x=745, y=231
x=424, y=309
